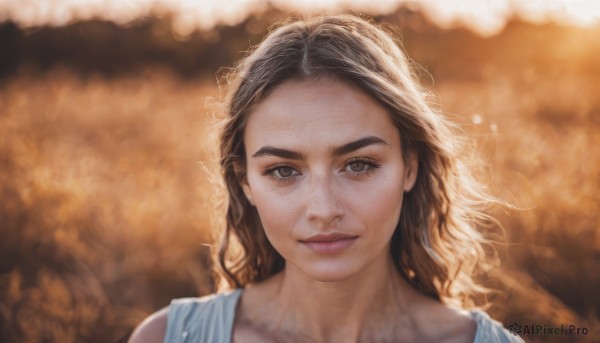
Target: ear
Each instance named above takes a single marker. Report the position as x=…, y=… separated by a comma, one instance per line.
x=411, y=170
x=247, y=191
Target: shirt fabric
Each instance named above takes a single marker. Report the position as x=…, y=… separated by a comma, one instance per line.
x=210, y=319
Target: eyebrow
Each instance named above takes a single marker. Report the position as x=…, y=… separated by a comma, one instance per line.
x=338, y=151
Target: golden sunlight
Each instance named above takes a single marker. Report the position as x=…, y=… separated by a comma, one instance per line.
x=486, y=17
x=111, y=190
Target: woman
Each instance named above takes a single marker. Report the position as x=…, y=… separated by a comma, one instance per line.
x=351, y=216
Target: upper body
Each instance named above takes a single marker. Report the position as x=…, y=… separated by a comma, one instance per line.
x=354, y=217
x=216, y=318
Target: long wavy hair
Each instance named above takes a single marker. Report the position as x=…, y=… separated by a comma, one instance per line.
x=437, y=245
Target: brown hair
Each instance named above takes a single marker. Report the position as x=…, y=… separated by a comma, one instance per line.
x=436, y=245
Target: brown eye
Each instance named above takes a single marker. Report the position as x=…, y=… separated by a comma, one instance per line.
x=358, y=166
x=282, y=174
x=284, y=171
x=361, y=166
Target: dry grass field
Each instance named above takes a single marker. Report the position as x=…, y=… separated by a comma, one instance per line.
x=105, y=206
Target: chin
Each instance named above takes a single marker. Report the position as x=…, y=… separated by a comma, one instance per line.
x=329, y=271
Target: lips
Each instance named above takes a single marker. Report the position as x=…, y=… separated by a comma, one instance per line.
x=329, y=244
x=329, y=237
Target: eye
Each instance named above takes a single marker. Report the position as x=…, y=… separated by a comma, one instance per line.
x=361, y=166
x=358, y=166
x=281, y=173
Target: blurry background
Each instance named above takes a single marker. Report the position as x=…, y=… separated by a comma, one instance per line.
x=106, y=122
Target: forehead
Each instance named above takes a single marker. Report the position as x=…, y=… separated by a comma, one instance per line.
x=322, y=111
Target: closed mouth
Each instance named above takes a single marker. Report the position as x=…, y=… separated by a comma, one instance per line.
x=328, y=237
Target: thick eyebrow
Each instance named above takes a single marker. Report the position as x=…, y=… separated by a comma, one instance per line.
x=339, y=151
x=283, y=153
x=357, y=144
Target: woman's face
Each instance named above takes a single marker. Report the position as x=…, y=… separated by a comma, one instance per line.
x=326, y=174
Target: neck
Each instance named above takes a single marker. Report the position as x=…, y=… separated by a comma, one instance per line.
x=343, y=310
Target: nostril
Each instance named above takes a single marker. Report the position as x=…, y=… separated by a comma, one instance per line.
x=325, y=212
x=322, y=202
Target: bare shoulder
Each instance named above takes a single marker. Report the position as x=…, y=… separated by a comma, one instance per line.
x=448, y=325
x=152, y=329
x=461, y=327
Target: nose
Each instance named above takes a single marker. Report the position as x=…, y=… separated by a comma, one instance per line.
x=323, y=207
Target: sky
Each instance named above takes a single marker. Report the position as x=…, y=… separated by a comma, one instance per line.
x=486, y=17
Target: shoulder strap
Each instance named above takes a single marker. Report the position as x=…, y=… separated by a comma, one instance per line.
x=206, y=319
x=491, y=331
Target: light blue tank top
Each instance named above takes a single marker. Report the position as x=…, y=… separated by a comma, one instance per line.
x=210, y=319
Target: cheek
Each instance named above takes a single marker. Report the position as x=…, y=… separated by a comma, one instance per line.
x=379, y=205
x=277, y=211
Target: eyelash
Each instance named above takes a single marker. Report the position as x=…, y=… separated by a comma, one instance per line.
x=370, y=164
x=270, y=170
